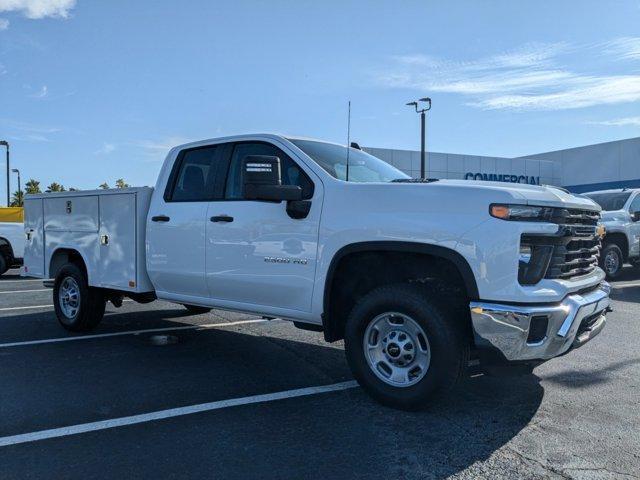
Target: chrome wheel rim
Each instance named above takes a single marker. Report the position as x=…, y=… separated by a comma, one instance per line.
x=611, y=262
x=69, y=297
x=397, y=349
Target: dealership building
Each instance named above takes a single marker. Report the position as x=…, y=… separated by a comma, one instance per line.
x=581, y=169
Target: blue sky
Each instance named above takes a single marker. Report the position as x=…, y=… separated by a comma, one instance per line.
x=92, y=91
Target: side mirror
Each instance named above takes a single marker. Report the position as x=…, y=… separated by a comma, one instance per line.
x=262, y=180
x=635, y=216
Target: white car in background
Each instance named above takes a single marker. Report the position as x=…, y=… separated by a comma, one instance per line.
x=11, y=245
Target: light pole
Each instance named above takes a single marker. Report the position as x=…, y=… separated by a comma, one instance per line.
x=422, y=111
x=6, y=144
x=20, y=198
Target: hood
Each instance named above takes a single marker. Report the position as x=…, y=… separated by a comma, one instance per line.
x=542, y=195
x=614, y=216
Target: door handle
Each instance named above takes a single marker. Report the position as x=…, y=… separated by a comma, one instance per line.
x=222, y=218
x=160, y=218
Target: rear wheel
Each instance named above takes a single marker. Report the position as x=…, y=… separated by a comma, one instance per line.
x=196, y=310
x=4, y=264
x=611, y=260
x=79, y=308
x=403, y=348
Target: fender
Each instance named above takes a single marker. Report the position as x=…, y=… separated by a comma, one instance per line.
x=400, y=246
x=67, y=248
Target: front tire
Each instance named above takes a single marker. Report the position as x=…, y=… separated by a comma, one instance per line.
x=611, y=260
x=404, y=349
x=79, y=308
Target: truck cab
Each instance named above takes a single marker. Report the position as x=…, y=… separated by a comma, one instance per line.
x=417, y=277
x=621, y=219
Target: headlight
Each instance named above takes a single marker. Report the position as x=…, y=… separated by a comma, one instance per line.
x=521, y=213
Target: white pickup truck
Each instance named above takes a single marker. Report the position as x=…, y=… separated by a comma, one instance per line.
x=415, y=276
x=11, y=245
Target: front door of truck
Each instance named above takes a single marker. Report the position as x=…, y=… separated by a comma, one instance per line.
x=634, y=228
x=176, y=223
x=256, y=253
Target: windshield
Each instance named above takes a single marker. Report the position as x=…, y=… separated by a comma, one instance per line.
x=362, y=166
x=610, y=201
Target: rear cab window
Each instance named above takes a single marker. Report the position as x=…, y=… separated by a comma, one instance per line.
x=197, y=175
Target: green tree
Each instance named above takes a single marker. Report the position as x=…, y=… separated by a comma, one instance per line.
x=55, y=187
x=120, y=183
x=17, y=200
x=104, y=186
x=32, y=186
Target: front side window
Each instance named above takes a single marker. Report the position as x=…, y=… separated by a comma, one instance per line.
x=198, y=173
x=292, y=174
x=362, y=166
x=635, y=204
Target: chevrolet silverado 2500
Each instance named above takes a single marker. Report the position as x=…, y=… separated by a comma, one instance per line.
x=415, y=276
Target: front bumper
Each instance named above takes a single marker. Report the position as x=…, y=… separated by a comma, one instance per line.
x=569, y=324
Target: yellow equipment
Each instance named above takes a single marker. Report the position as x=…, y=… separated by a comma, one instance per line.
x=12, y=214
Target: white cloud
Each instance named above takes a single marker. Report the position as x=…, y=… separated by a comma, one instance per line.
x=39, y=8
x=533, y=77
x=4, y=23
x=105, y=149
x=619, y=122
x=161, y=147
x=624, y=48
x=43, y=92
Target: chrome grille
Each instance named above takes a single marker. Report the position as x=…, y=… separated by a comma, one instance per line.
x=577, y=248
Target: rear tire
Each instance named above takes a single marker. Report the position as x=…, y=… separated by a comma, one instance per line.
x=196, y=310
x=404, y=349
x=79, y=308
x=611, y=260
x=4, y=265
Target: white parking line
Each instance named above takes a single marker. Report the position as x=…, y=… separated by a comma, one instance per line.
x=30, y=307
x=626, y=284
x=131, y=332
x=170, y=413
x=25, y=291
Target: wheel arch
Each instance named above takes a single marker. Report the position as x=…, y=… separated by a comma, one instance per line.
x=620, y=239
x=63, y=255
x=332, y=325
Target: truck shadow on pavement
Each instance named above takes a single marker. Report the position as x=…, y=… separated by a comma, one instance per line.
x=335, y=435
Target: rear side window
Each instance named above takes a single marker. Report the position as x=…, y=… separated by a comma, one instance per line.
x=292, y=174
x=197, y=175
x=635, y=204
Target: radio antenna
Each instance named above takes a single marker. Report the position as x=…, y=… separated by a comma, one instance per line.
x=348, y=139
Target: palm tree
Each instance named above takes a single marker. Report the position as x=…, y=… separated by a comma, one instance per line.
x=17, y=200
x=104, y=186
x=55, y=187
x=120, y=183
x=32, y=186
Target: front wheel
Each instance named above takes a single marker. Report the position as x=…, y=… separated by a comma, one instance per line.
x=403, y=348
x=611, y=260
x=79, y=308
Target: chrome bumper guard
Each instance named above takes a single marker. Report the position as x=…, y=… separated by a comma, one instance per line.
x=506, y=327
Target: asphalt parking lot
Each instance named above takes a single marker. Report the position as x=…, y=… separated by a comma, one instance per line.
x=236, y=397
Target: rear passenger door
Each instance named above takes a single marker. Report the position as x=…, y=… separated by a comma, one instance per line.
x=176, y=223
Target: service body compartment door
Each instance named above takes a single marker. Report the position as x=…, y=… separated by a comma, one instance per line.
x=34, y=232
x=117, y=235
